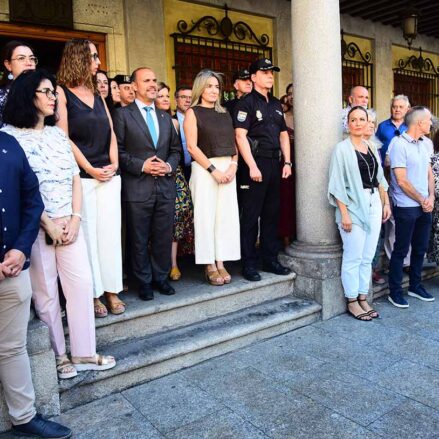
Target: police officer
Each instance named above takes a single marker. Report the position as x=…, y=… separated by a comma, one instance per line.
x=242, y=85
x=261, y=135
x=126, y=90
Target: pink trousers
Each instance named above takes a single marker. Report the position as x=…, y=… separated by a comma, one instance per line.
x=70, y=263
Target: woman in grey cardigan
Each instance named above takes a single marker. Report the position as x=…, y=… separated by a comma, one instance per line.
x=358, y=191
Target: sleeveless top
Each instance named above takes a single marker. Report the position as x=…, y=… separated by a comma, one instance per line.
x=89, y=129
x=216, y=136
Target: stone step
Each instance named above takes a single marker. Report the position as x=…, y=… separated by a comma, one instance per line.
x=195, y=301
x=146, y=358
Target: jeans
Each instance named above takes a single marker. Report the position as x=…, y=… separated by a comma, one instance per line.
x=412, y=226
x=359, y=248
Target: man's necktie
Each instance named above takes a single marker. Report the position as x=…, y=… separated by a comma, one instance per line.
x=151, y=125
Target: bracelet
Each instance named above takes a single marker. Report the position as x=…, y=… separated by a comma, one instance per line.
x=234, y=163
x=211, y=168
x=288, y=164
x=77, y=214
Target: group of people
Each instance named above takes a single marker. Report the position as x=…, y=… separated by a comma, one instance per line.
x=396, y=157
x=74, y=163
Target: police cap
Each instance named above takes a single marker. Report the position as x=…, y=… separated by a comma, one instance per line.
x=262, y=64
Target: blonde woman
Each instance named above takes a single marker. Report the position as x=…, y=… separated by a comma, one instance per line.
x=210, y=140
x=84, y=117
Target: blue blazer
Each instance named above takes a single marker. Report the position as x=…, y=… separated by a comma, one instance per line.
x=21, y=205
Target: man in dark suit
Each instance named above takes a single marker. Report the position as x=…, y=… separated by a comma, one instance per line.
x=149, y=151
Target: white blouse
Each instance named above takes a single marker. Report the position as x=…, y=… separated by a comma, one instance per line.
x=50, y=156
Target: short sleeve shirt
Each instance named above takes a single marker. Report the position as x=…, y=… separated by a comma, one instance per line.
x=414, y=155
x=50, y=156
x=386, y=132
x=264, y=120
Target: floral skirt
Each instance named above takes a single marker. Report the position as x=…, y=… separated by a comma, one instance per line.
x=184, y=215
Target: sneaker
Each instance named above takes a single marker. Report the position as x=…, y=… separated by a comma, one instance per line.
x=398, y=300
x=40, y=427
x=377, y=279
x=422, y=294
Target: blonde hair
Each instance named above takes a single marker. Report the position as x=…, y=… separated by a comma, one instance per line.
x=200, y=84
x=74, y=69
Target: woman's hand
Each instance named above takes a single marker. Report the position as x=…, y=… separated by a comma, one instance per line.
x=230, y=173
x=346, y=223
x=387, y=212
x=220, y=177
x=71, y=230
x=55, y=231
x=101, y=174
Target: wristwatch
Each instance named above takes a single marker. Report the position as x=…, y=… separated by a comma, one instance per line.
x=211, y=168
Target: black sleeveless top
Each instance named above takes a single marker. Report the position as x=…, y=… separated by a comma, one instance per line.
x=368, y=165
x=216, y=136
x=89, y=129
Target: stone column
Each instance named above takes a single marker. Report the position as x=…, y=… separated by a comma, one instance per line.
x=316, y=255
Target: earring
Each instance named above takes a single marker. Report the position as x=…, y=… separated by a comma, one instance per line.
x=10, y=76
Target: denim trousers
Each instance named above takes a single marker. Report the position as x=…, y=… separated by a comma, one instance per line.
x=359, y=248
x=412, y=226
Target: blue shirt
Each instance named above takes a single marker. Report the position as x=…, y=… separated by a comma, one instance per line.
x=187, y=156
x=386, y=131
x=21, y=205
x=414, y=155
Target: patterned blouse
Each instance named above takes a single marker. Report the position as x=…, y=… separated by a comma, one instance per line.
x=4, y=91
x=50, y=156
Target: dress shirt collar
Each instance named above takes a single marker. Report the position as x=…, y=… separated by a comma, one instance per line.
x=142, y=105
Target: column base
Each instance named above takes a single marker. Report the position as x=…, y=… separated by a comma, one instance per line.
x=318, y=274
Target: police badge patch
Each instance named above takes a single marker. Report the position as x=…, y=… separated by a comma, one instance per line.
x=259, y=115
x=241, y=116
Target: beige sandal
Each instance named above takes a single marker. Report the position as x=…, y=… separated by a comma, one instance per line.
x=100, y=309
x=102, y=362
x=225, y=275
x=65, y=368
x=115, y=306
x=213, y=277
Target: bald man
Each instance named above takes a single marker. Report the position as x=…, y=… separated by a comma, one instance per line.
x=359, y=96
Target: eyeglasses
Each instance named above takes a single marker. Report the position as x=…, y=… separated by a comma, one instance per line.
x=51, y=94
x=94, y=56
x=22, y=58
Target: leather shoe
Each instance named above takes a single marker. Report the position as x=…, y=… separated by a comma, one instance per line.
x=163, y=287
x=276, y=268
x=250, y=273
x=40, y=427
x=146, y=292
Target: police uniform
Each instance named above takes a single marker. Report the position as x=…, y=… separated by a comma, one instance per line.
x=264, y=121
x=231, y=104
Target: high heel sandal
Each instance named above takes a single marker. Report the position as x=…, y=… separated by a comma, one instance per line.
x=225, y=275
x=213, y=277
x=372, y=311
x=364, y=317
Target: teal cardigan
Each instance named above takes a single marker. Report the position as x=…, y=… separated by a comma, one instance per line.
x=345, y=183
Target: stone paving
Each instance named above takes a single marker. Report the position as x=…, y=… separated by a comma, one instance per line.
x=335, y=379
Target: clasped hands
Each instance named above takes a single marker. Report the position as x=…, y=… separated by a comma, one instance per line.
x=12, y=264
x=106, y=173
x=65, y=232
x=428, y=204
x=156, y=167
x=226, y=176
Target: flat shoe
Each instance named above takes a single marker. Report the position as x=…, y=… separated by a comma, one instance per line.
x=225, y=275
x=102, y=362
x=175, y=274
x=65, y=369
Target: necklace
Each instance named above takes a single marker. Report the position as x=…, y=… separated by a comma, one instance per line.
x=368, y=168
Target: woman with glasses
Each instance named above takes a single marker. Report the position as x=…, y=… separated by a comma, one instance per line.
x=84, y=116
x=60, y=246
x=16, y=57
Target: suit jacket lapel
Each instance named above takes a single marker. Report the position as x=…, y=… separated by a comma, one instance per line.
x=162, y=126
x=141, y=122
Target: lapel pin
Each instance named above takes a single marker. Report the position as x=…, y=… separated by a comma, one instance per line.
x=4, y=151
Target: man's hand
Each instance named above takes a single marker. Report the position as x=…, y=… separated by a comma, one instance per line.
x=4, y=272
x=159, y=168
x=286, y=171
x=428, y=204
x=14, y=261
x=148, y=165
x=255, y=174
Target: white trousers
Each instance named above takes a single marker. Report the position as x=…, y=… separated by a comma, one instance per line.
x=216, y=215
x=101, y=222
x=359, y=249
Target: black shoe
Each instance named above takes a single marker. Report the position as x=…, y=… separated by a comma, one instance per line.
x=163, y=287
x=40, y=427
x=251, y=274
x=276, y=268
x=146, y=292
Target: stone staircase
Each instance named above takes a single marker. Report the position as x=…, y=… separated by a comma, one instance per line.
x=156, y=338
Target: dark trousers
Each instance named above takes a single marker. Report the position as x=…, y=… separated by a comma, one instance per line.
x=412, y=226
x=151, y=221
x=259, y=201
